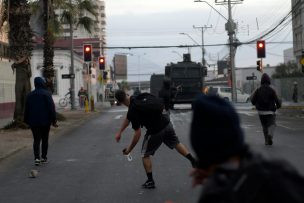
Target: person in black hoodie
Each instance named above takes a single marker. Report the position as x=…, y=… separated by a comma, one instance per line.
x=266, y=102
x=165, y=94
x=40, y=114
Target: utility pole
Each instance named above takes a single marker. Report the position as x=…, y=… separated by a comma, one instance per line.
x=72, y=79
x=203, y=28
x=231, y=27
x=203, y=48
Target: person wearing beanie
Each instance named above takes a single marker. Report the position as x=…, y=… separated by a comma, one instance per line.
x=165, y=94
x=159, y=130
x=228, y=170
x=40, y=114
x=266, y=101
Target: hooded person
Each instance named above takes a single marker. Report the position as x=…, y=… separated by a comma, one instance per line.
x=227, y=168
x=165, y=93
x=40, y=114
x=266, y=101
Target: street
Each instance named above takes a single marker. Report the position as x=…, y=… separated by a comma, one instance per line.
x=87, y=165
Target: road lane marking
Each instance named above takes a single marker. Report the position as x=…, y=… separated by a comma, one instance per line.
x=285, y=127
x=117, y=110
x=248, y=113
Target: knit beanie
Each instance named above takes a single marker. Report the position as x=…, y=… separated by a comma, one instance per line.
x=265, y=79
x=215, y=134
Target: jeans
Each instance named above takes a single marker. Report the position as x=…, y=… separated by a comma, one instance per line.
x=41, y=135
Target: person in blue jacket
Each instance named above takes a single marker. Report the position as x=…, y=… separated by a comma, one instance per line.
x=40, y=114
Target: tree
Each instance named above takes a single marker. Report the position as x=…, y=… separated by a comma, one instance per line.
x=287, y=70
x=17, y=14
x=72, y=13
x=124, y=85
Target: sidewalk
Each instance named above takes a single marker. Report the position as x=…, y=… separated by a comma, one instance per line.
x=14, y=141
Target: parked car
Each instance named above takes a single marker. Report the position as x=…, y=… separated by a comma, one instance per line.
x=225, y=92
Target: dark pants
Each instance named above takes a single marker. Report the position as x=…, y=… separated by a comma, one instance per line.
x=268, y=124
x=40, y=133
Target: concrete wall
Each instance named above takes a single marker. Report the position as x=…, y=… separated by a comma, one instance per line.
x=7, y=89
x=285, y=87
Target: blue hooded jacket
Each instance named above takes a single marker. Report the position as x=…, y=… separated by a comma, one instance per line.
x=39, y=106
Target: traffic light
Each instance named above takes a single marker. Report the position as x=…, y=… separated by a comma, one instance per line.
x=259, y=65
x=205, y=70
x=101, y=61
x=261, y=52
x=105, y=75
x=87, y=52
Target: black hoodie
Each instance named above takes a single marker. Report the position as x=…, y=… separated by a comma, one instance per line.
x=265, y=98
x=39, y=106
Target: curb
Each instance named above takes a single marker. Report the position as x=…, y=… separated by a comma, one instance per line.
x=68, y=128
x=287, y=107
x=12, y=153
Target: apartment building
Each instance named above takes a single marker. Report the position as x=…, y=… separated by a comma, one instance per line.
x=298, y=30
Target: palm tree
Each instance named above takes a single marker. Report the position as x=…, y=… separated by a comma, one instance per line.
x=72, y=14
x=17, y=14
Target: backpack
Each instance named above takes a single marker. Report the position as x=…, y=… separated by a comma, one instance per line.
x=148, y=104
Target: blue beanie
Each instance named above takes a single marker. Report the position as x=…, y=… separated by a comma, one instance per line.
x=215, y=134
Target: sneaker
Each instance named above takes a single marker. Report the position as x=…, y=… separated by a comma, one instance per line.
x=44, y=161
x=149, y=184
x=37, y=162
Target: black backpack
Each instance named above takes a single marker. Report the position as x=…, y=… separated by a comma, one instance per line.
x=148, y=104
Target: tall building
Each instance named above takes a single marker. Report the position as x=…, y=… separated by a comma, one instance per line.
x=97, y=38
x=120, y=67
x=298, y=29
x=99, y=26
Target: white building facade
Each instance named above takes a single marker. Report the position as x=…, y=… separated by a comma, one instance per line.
x=62, y=63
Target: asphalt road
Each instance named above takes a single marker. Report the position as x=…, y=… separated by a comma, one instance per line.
x=87, y=165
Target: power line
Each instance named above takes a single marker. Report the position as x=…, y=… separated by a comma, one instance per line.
x=181, y=46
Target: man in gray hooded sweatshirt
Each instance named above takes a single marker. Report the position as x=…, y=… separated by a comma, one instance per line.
x=266, y=102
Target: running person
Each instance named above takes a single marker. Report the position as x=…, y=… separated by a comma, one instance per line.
x=159, y=130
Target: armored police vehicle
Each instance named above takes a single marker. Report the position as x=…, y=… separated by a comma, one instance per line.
x=186, y=80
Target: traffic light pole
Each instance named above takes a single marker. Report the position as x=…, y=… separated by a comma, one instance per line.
x=72, y=79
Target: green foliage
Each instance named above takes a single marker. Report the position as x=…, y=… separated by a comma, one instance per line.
x=288, y=70
x=124, y=85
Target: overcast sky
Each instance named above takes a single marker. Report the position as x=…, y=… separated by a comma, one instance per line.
x=159, y=22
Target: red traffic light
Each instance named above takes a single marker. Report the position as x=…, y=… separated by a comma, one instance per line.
x=87, y=52
x=87, y=49
x=260, y=45
x=261, y=52
x=101, y=61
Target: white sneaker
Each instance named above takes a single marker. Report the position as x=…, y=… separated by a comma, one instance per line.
x=37, y=162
